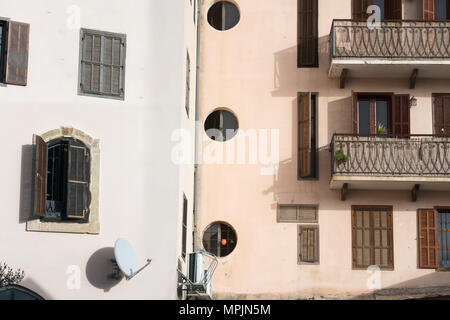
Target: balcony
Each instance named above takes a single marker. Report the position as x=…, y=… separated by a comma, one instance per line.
x=397, y=49
x=416, y=162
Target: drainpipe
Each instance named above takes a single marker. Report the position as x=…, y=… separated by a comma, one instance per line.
x=197, y=126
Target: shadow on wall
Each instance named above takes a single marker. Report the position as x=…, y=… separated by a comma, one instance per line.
x=432, y=285
x=27, y=183
x=99, y=267
x=287, y=74
x=32, y=285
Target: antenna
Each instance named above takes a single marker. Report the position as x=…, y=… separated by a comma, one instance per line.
x=126, y=261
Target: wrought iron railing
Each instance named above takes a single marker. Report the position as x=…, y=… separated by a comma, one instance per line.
x=393, y=39
x=372, y=155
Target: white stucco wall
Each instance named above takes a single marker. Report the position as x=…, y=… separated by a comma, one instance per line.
x=140, y=187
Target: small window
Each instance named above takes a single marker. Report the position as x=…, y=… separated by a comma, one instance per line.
x=219, y=239
x=102, y=64
x=372, y=237
x=307, y=136
x=62, y=180
x=308, y=244
x=223, y=15
x=14, y=47
x=221, y=125
x=297, y=214
x=184, y=235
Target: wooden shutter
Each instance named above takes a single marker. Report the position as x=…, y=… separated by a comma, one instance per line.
x=304, y=136
x=308, y=244
x=441, y=114
x=428, y=9
x=355, y=113
x=428, y=239
x=17, y=53
x=400, y=115
x=40, y=176
x=393, y=9
x=308, y=43
x=448, y=10
x=78, y=196
x=359, y=9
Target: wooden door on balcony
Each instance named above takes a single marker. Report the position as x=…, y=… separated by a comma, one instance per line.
x=441, y=114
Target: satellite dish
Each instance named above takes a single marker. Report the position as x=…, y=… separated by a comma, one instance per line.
x=126, y=259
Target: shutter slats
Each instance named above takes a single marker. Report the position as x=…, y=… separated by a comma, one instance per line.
x=78, y=182
x=304, y=143
x=393, y=9
x=17, y=53
x=359, y=9
x=427, y=239
x=307, y=33
x=428, y=9
x=355, y=113
x=308, y=244
x=401, y=115
x=40, y=175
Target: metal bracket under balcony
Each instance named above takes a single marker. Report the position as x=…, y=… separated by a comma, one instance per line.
x=370, y=162
x=409, y=50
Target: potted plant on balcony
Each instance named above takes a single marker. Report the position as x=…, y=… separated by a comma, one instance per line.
x=381, y=129
x=341, y=157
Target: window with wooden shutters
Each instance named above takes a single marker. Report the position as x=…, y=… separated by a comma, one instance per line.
x=441, y=114
x=102, y=64
x=428, y=9
x=428, y=238
x=40, y=176
x=308, y=43
x=78, y=176
x=359, y=9
x=308, y=244
x=307, y=132
x=184, y=235
x=400, y=115
x=15, y=59
x=372, y=237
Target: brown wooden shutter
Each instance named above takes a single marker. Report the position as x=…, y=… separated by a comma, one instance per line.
x=428, y=9
x=393, y=9
x=40, y=176
x=448, y=10
x=17, y=53
x=308, y=244
x=308, y=43
x=359, y=9
x=355, y=113
x=400, y=115
x=428, y=239
x=304, y=135
x=78, y=196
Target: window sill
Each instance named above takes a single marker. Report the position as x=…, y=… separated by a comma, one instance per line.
x=63, y=227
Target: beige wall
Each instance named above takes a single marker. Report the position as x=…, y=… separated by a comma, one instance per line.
x=252, y=70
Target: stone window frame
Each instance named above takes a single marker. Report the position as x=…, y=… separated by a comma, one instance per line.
x=93, y=227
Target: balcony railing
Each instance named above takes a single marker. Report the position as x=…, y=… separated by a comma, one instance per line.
x=393, y=39
x=412, y=156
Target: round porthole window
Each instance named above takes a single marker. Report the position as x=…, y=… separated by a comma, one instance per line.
x=219, y=239
x=223, y=15
x=221, y=125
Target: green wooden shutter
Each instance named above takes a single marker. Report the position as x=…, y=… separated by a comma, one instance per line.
x=40, y=176
x=308, y=244
x=17, y=53
x=78, y=196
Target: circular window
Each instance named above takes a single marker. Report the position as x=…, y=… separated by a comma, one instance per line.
x=219, y=239
x=223, y=15
x=221, y=125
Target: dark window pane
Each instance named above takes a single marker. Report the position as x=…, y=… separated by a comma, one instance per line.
x=221, y=125
x=219, y=239
x=382, y=114
x=364, y=117
x=380, y=3
x=231, y=15
x=441, y=9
